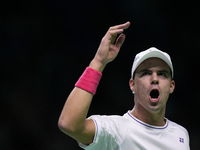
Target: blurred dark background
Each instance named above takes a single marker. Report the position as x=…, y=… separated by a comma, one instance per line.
x=46, y=45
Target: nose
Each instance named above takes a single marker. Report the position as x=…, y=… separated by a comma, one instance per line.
x=154, y=79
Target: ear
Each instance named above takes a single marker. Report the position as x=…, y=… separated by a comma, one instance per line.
x=132, y=84
x=172, y=86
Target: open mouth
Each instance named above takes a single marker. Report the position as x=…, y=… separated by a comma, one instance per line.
x=154, y=94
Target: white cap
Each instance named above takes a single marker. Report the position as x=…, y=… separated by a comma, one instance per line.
x=149, y=53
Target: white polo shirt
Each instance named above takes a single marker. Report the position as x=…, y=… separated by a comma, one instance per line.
x=128, y=133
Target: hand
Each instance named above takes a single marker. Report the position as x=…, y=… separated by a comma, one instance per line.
x=108, y=50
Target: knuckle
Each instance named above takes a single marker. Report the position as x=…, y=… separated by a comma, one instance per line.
x=109, y=32
x=111, y=28
x=103, y=39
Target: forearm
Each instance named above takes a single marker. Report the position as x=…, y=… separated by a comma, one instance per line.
x=75, y=110
x=73, y=120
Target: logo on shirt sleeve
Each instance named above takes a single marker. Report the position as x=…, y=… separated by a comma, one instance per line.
x=181, y=140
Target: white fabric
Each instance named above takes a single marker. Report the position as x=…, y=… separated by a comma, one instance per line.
x=128, y=133
x=149, y=53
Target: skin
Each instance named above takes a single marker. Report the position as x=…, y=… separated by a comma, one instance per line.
x=73, y=121
x=153, y=73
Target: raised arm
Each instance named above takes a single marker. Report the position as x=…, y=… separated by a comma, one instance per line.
x=73, y=120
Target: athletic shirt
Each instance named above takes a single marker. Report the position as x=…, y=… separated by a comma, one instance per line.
x=129, y=133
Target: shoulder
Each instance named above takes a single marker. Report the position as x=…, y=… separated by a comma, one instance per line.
x=178, y=128
x=176, y=125
x=111, y=128
x=111, y=120
x=114, y=125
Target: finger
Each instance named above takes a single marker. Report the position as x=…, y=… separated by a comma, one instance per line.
x=121, y=26
x=117, y=30
x=113, y=34
x=112, y=40
x=120, y=40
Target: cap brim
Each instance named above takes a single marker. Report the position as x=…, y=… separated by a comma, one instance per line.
x=155, y=54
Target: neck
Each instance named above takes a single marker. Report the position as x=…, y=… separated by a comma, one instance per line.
x=151, y=118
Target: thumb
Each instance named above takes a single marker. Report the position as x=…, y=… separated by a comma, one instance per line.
x=120, y=40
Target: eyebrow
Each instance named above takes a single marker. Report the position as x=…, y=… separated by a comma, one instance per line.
x=144, y=70
x=166, y=71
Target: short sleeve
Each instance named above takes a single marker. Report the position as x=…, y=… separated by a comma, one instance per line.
x=108, y=134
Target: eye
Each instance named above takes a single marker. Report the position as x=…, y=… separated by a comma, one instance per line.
x=146, y=73
x=164, y=74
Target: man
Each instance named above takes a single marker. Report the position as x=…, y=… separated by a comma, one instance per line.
x=144, y=127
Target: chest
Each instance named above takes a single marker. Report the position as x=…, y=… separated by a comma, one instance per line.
x=148, y=139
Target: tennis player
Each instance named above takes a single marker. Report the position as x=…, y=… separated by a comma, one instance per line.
x=142, y=128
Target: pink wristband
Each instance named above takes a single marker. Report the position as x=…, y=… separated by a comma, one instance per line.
x=89, y=80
